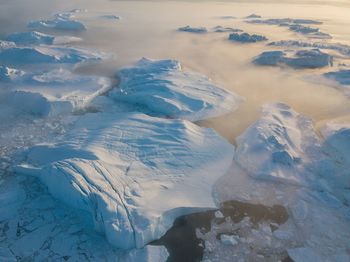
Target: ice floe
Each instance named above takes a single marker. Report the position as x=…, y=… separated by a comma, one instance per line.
x=114, y=165
x=341, y=48
x=166, y=90
x=197, y=30
x=37, y=38
x=62, y=21
x=312, y=58
x=246, y=38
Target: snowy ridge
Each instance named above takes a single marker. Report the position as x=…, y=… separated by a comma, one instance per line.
x=162, y=87
x=116, y=166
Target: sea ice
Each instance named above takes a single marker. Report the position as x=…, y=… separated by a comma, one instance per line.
x=133, y=173
x=197, y=30
x=246, y=38
x=166, y=90
x=313, y=58
x=59, y=22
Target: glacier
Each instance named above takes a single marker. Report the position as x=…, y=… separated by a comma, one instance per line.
x=166, y=90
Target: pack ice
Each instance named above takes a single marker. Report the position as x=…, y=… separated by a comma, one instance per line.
x=308, y=58
x=165, y=89
x=61, y=21
x=133, y=173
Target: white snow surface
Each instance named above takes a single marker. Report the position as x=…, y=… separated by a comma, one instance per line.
x=166, y=90
x=133, y=173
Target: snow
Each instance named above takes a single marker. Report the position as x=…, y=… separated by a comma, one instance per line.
x=341, y=48
x=246, y=38
x=48, y=54
x=61, y=21
x=166, y=90
x=37, y=38
x=197, y=30
x=115, y=167
x=313, y=58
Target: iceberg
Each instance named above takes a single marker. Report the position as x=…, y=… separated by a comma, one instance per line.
x=340, y=48
x=341, y=76
x=252, y=16
x=59, y=22
x=162, y=87
x=197, y=30
x=57, y=87
x=246, y=38
x=134, y=174
x=221, y=29
x=312, y=58
x=278, y=146
x=110, y=17
x=47, y=54
x=37, y=38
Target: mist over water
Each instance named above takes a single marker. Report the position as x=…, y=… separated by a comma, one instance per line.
x=148, y=29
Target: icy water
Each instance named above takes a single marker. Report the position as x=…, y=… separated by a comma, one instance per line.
x=266, y=217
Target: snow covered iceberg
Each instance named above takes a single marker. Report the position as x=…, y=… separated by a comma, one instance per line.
x=246, y=38
x=312, y=58
x=37, y=38
x=15, y=55
x=279, y=146
x=133, y=173
x=163, y=88
x=197, y=30
x=65, y=90
x=62, y=21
